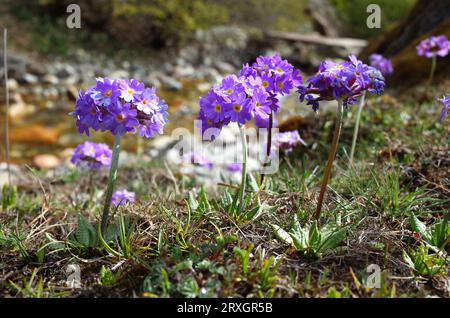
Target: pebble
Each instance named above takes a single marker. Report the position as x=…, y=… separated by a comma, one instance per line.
x=46, y=161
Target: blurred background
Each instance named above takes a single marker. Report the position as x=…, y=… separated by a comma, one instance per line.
x=182, y=48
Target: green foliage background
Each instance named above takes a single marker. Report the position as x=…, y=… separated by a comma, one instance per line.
x=354, y=15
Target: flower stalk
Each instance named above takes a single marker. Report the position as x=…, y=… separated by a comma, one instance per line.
x=111, y=182
x=244, y=167
x=332, y=154
x=356, y=130
x=433, y=70
x=269, y=145
x=5, y=75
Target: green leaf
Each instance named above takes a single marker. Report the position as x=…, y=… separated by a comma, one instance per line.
x=440, y=233
x=332, y=241
x=251, y=184
x=85, y=234
x=192, y=202
x=188, y=287
x=282, y=235
x=419, y=227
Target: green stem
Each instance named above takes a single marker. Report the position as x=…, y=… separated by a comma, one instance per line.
x=244, y=167
x=332, y=154
x=111, y=181
x=269, y=145
x=355, y=132
x=433, y=69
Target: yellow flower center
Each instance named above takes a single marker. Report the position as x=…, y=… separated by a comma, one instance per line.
x=237, y=108
x=218, y=108
x=265, y=84
x=130, y=91
x=229, y=91
x=258, y=104
x=280, y=85
x=108, y=93
x=120, y=117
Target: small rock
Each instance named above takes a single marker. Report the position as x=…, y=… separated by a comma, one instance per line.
x=203, y=87
x=50, y=79
x=13, y=85
x=72, y=93
x=224, y=67
x=119, y=74
x=171, y=83
x=66, y=153
x=46, y=161
x=19, y=110
x=30, y=78
x=34, y=134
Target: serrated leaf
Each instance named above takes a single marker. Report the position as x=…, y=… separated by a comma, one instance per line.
x=85, y=233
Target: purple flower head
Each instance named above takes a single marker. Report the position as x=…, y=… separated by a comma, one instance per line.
x=261, y=108
x=381, y=63
x=92, y=155
x=130, y=90
x=434, y=46
x=122, y=197
x=121, y=119
x=286, y=141
x=197, y=159
x=445, y=101
x=120, y=106
x=234, y=167
x=238, y=109
x=345, y=81
x=106, y=91
x=251, y=95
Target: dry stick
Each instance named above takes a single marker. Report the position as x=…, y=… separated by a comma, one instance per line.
x=5, y=69
x=332, y=154
x=269, y=144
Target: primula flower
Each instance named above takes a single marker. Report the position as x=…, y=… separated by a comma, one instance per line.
x=121, y=197
x=434, y=46
x=234, y=167
x=197, y=159
x=92, y=155
x=286, y=141
x=381, y=63
x=445, y=101
x=120, y=106
x=345, y=81
x=253, y=94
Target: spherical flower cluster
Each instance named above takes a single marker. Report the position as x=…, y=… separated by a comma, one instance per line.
x=434, y=46
x=121, y=197
x=286, y=141
x=120, y=106
x=199, y=159
x=445, y=101
x=253, y=94
x=381, y=63
x=345, y=81
x=91, y=155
